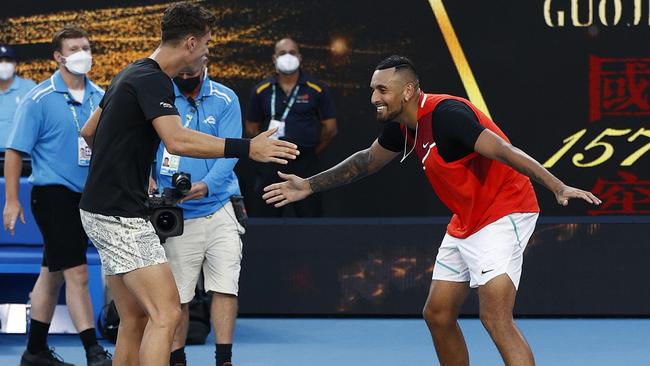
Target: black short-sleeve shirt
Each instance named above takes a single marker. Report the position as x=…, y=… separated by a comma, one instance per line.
x=302, y=126
x=125, y=141
x=455, y=131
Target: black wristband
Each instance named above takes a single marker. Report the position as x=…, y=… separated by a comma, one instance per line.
x=236, y=148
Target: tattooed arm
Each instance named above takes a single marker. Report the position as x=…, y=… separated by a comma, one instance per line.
x=494, y=147
x=357, y=166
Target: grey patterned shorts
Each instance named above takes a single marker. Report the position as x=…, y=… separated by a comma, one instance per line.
x=124, y=243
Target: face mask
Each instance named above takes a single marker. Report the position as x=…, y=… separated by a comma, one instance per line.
x=79, y=63
x=187, y=85
x=287, y=63
x=7, y=70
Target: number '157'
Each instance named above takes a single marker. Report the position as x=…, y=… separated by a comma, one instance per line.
x=607, y=150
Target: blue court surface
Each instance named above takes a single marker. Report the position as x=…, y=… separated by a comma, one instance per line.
x=320, y=342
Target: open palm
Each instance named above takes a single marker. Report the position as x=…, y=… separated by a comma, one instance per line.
x=292, y=189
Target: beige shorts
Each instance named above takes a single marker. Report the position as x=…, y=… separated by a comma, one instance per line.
x=124, y=244
x=211, y=243
x=496, y=249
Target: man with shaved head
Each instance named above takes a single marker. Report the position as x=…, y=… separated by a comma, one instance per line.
x=480, y=177
x=303, y=110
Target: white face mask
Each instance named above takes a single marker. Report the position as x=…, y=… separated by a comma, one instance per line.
x=79, y=63
x=7, y=70
x=287, y=63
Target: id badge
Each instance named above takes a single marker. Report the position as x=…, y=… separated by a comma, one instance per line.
x=169, y=164
x=83, y=152
x=280, y=125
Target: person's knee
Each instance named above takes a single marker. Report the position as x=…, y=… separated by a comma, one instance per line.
x=175, y=315
x=134, y=318
x=438, y=316
x=76, y=276
x=495, y=321
x=167, y=318
x=50, y=282
x=132, y=324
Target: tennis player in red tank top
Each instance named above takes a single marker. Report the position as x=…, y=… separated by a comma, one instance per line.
x=480, y=177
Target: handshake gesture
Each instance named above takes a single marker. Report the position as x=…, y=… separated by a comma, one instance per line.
x=267, y=150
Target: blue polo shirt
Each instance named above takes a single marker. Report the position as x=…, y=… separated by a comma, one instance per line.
x=44, y=127
x=216, y=112
x=9, y=100
x=302, y=126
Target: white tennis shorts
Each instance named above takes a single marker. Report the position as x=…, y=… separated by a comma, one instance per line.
x=496, y=249
x=124, y=244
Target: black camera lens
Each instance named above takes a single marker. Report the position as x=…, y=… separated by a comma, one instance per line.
x=166, y=221
x=182, y=182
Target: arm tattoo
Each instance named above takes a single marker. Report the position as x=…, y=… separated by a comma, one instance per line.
x=351, y=169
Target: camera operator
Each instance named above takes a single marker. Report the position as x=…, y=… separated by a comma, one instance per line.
x=136, y=112
x=210, y=240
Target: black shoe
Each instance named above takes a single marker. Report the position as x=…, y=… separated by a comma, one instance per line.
x=43, y=358
x=97, y=356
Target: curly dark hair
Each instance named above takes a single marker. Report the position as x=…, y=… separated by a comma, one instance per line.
x=185, y=19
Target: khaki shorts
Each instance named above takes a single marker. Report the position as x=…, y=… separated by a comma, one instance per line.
x=211, y=243
x=496, y=249
x=124, y=244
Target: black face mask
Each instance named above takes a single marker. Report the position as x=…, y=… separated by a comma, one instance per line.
x=187, y=85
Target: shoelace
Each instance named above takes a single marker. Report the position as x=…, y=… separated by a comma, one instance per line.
x=54, y=355
x=106, y=354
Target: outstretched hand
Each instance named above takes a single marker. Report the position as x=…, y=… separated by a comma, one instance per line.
x=292, y=189
x=564, y=194
x=267, y=150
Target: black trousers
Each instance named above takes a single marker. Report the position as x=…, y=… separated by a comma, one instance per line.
x=306, y=165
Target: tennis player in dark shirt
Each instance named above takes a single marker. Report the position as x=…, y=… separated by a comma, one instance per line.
x=137, y=112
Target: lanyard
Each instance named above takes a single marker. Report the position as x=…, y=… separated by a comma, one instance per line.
x=292, y=100
x=189, y=116
x=75, y=117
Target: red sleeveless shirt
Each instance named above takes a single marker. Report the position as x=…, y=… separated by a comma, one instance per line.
x=476, y=189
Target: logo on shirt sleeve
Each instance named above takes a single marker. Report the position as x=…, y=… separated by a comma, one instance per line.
x=166, y=105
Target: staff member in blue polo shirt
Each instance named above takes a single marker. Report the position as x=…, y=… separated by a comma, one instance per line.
x=303, y=110
x=211, y=238
x=47, y=126
x=12, y=90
